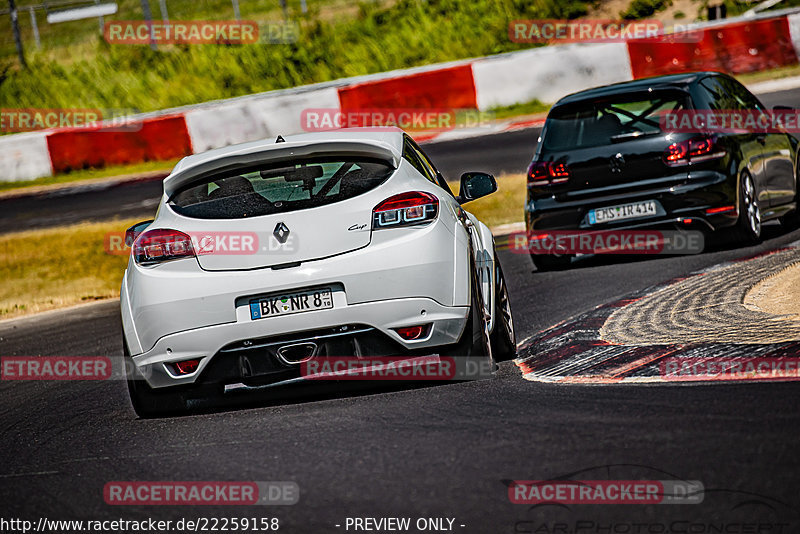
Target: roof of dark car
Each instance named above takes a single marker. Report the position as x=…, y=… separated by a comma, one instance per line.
x=656, y=82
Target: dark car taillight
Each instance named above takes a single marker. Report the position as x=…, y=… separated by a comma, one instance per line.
x=405, y=209
x=160, y=245
x=694, y=150
x=547, y=173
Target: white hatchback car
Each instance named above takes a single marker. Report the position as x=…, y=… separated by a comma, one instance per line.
x=267, y=254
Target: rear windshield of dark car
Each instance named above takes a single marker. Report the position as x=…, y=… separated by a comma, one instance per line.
x=610, y=120
x=279, y=188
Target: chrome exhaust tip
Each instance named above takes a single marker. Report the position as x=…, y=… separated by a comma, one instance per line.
x=297, y=352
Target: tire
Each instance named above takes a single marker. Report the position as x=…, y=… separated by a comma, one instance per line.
x=146, y=401
x=551, y=262
x=503, y=339
x=475, y=342
x=748, y=227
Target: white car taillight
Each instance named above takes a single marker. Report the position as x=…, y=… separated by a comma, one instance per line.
x=160, y=245
x=405, y=209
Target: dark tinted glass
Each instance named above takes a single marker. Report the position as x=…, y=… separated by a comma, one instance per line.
x=596, y=123
x=727, y=94
x=267, y=190
x=413, y=157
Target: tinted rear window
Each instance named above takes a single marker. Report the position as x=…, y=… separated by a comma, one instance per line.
x=272, y=189
x=597, y=123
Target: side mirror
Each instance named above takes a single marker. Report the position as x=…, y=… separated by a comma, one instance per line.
x=475, y=185
x=133, y=232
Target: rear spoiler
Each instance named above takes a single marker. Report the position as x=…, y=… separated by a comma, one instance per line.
x=253, y=154
x=578, y=99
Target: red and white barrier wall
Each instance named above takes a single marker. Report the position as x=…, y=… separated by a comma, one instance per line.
x=739, y=47
x=24, y=157
x=548, y=73
x=248, y=119
x=545, y=73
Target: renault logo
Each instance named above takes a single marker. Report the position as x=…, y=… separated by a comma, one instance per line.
x=281, y=232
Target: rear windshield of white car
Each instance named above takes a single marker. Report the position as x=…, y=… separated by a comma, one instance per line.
x=611, y=120
x=272, y=189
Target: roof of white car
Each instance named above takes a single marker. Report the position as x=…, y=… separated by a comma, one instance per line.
x=385, y=143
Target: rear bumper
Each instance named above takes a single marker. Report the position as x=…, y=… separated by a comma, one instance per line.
x=176, y=311
x=682, y=205
x=240, y=352
x=179, y=296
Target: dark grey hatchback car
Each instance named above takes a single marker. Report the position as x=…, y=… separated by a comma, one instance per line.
x=605, y=162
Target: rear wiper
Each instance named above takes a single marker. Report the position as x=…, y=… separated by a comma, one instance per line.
x=631, y=135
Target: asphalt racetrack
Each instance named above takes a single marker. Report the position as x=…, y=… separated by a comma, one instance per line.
x=420, y=451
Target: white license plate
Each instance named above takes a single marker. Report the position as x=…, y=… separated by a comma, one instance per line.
x=289, y=303
x=622, y=212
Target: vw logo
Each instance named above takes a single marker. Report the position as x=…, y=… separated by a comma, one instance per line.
x=616, y=162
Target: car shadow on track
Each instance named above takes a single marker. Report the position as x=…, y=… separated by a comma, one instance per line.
x=297, y=394
x=714, y=243
x=316, y=391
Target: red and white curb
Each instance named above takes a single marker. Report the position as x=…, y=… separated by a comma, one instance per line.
x=664, y=349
